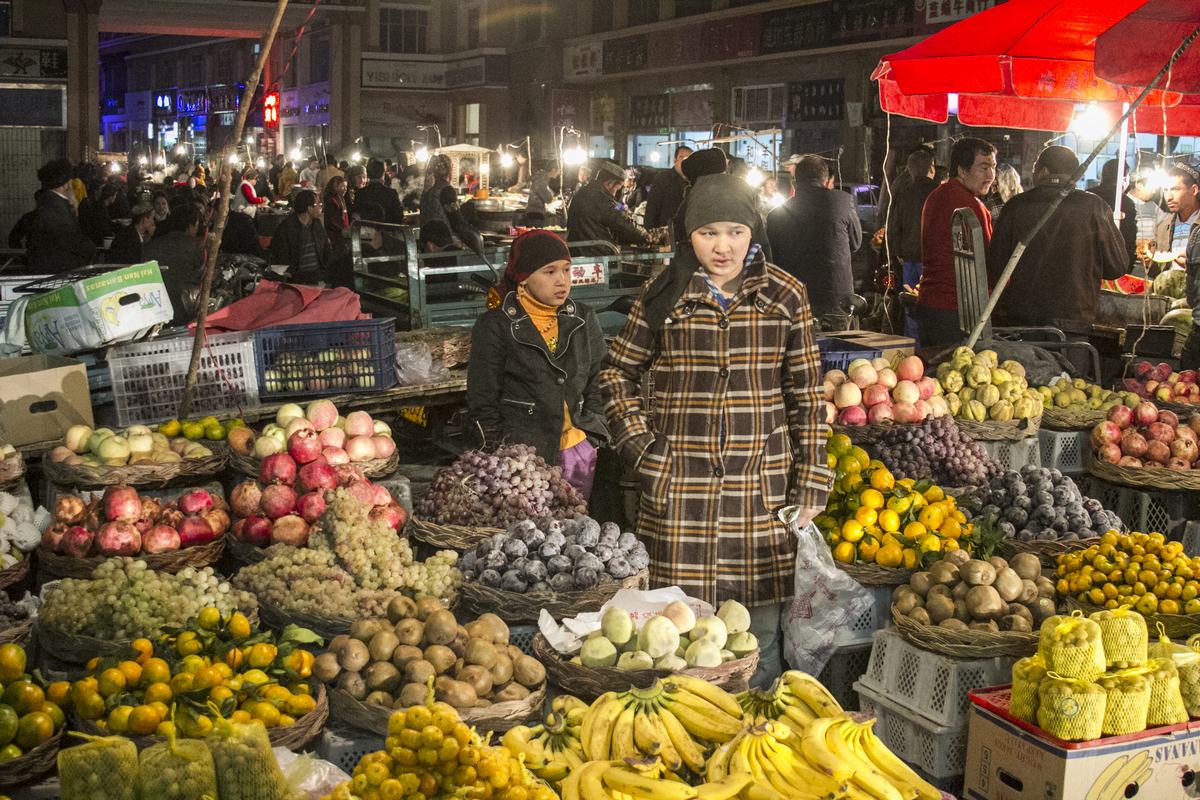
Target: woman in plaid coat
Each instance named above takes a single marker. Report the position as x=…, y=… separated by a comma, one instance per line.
x=735, y=430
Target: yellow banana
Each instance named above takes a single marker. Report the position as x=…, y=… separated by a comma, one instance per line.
x=718, y=764
x=623, y=745
x=815, y=747
x=668, y=752
x=887, y=761
x=864, y=774
x=517, y=741
x=760, y=791
x=724, y=789
x=569, y=788
x=597, y=732
x=591, y=786
x=566, y=703
x=645, y=736
x=631, y=781
x=571, y=758
x=711, y=724
x=710, y=692
x=691, y=753
x=813, y=693
x=797, y=771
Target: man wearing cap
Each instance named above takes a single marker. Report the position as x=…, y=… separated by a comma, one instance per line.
x=594, y=215
x=1057, y=280
x=56, y=242
x=666, y=191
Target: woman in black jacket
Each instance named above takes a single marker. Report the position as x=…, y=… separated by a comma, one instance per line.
x=534, y=363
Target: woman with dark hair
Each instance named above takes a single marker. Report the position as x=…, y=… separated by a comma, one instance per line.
x=336, y=213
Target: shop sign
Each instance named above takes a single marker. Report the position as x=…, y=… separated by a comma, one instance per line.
x=604, y=113
x=40, y=63
x=33, y=106
x=224, y=98
x=194, y=101
x=692, y=109
x=817, y=101
x=470, y=72
x=582, y=61
x=650, y=112
x=717, y=40
x=164, y=104
x=803, y=28
x=934, y=14
x=378, y=73
x=587, y=274
x=627, y=54
x=871, y=20
x=567, y=109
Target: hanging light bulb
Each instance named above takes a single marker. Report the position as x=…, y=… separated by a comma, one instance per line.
x=755, y=177
x=295, y=154
x=506, y=160
x=574, y=156
x=1090, y=123
x=655, y=156
x=422, y=153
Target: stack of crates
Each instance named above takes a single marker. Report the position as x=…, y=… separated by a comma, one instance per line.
x=1014, y=455
x=853, y=647
x=1147, y=511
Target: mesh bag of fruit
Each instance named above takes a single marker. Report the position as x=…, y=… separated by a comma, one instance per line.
x=1072, y=647
x=1123, y=633
x=1166, y=700
x=177, y=770
x=105, y=768
x=1027, y=676
x=1071, y=709
x=1128, y=703
x=246, y=766
x=1187, y=664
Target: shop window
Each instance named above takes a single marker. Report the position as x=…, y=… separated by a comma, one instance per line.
x=223, y=66
x=403, y=30
x=195, y=71
x=318, y=58
x=474, y=15
x=686, y=8
x=6, y=18
x=471, y=119
x=602, y=16
x=761, y=105
x=642, y=12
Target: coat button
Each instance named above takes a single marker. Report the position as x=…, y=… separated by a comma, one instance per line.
x=718, y=472
x=560, y=380
x=724, y=373
x=723, y=324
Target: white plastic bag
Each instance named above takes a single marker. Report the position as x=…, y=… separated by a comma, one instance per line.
x=825, y=600
x=308, y=776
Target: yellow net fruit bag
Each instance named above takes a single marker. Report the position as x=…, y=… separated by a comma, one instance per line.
x=1027, y=676
x=1071, y=709
x=177, y=770
x=105, y=768
x=1128, y=702
x=1124, y=636
x=1072, y=647
x=1166, y=700
x=246, y=766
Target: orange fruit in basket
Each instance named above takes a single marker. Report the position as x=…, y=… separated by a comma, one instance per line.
x=59, y=693
x=143, y=720
x=155, y=671
x=24, y=697
x=144, y=650
x=34, y=729
x=12, y=662
x=132, y=672
x=112, y=681
x=890, y=555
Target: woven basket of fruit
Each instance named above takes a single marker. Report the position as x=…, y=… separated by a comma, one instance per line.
x=243, y=553
x=21, y=633
x=1071, y=418
x=965, y=644
x=12, y=472
x=277, y=618
x=1013, y=430
x=141, y=473
x=318, y=430
x=55, y=565
x=1048, y=550
x=15, y=577
x=1170, y=480
x=449, y=537
x=524, y=608
x=496, y=718
x=37, y=763
x=250, y=466
x=874, y=575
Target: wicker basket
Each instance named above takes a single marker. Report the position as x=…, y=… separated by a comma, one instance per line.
x=189, y=471
x=37, y=763
x=863, y=434
x=242, y=553
x=1071, y=419
x=1169, y=480
x=77, y=649
x=54, y=565
x=19, y=633
x=591, y=682
x=875, y=575
x=516, y=608
x=448, y=537
x=17, y=576
x=1047, y=551
x=1013, y=430
x=965, y=644
x=498, y=717
x=12, y=472
x=294, y=737
x=277, y=619
x=375, y=468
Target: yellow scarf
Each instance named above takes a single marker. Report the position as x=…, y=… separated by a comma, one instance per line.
x=545, y=319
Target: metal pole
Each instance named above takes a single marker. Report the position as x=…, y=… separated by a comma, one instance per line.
x=1120, y=189
x=1011, y=266
x=214, y=239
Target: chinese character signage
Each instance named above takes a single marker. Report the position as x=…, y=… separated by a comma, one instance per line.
x=583, y=61
x=802, y=28
x=627, y=54
x=871, y=20
x=817, y=101
x=32, y=63
x=650, y=112
x=934, y=14
x=587, y=274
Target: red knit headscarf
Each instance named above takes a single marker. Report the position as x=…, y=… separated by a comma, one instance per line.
x=530, y=252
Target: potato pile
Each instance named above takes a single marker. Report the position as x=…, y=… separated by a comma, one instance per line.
x=963, y=593
x=388, y=662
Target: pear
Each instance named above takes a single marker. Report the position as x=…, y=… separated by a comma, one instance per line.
x=616, y=625
x=681, y=614
x=735, y=616
x=658, y=637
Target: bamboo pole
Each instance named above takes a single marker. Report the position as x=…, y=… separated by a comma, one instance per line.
x=218, y=230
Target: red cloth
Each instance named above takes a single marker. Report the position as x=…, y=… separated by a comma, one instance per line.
x=937, y=248
x=285, y=304
x=251, y=195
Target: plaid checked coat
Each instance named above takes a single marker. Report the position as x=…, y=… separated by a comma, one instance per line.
x=750, y=377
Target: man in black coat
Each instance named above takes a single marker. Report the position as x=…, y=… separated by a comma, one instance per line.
x=180, y=255
x=666, y=191
x=594, y=215
x=1107, y=190
x=903, y=225
x=300, y=240
x=127, y=243
x=380, y=194
x=56, y=242
x=94, y=218
x=813, y=235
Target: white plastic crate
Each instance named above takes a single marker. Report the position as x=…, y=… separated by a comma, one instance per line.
x=929, y=684
x=148, y=377
x=1066, y=451
x=878, y=615
x=937, y=750
x=845, y=667
x=1165, y=512
x=1014, y=455
x=345, y=747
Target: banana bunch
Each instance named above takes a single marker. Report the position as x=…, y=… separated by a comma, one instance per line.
x=833, y=758
x=673, y=720
x=795, y=699
x=648, y=779
x=552, y=749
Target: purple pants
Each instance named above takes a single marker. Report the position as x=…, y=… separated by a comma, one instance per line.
x=579, y=467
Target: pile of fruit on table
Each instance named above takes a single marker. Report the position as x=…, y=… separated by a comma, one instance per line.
x=137, y=444
x=1160, y=382
x=1147, y=438
x=871, y=392
x=979, y=387
x=318, y=433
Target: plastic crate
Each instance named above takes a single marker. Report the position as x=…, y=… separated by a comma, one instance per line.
x=522, y=637
x=1066, y=451
x=936, y=750
x=148, y=377
x=838, y=353
x=929, y=684
x=844, y=667
x=326, y=358
x=1165, y=512
x=1014, y=455
x=345, y=747
x=861, y=631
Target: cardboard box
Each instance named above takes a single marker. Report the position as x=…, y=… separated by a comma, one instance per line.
x=97, y=311
x=1007, y=761
x=892, y=347
x=41, y=397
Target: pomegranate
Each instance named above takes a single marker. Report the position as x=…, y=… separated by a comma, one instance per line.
x=887, y=379
x=77, y=542
x=118, y=539
x=392, y=514
x=322, y=414
x=1109, y=453
x=904, y=412
x=1168, y=418
x=298, y=424
x=906, y=392
x=151, y=508
x=359, y=423
x=69, y=509
x=836, y=377
x=1158, y=451
x=1129, y=461
x=1187, y=433
x=290, y=530
x=1121, y=416
x=334, y=456
x=910, y=369
x=348, y=474
x=1188, y=376
x=311, y=506
x=1142, y=369
x=1178, y=464
x=278, y=501
x=1194, y=423
x=1106, y=433
x=1185, y=449
x=121, y=504
x=171, y=516
x=382, y=496
x=1133, y=444
x=1160, y=432
x=1146, y=413
x=196, y=501
x=279, y=468
x=332, y=437
x=363, y=492
x=875, y=394
x=863, y=376
x=217, y=519
x=926, y=386
x=194, y=531
x=921, y=409
x=384, y=446
x=361, y=448
x=317, y=475
x=256, y=531
x=244, y=498
x=880, y=414
x=52, y=537
x=304, y=446
x=161, y=539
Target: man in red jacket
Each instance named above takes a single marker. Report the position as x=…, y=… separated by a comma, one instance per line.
x=972, y=172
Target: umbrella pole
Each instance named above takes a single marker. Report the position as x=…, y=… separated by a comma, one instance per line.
x=1011, y=266
x=1120, y=190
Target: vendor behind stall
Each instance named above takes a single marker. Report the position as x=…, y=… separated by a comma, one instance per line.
x=1057, y=280
x=535, y=360
x=439, y=202
x=594, y=215
x=300, y=241
x=1183, y=204
x=737, y=430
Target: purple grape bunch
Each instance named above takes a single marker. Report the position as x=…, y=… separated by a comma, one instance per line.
x=937, y=449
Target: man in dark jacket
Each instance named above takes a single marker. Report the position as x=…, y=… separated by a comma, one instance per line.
x=1107, y=190
x=379, y=193
x=300, y=240
x=127, y=243
x=180, y=256
x=666, y=192
x=94, y=219
x=814, y=234
x=903, y=224
x=594, y=215
x=1057, y=280
x=56, y=242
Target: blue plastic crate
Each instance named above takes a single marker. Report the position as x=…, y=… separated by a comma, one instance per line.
x=838, y=353
x=326, y=358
